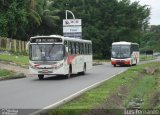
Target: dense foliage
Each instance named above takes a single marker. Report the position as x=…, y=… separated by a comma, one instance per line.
x=103, y=21
x=151, y=39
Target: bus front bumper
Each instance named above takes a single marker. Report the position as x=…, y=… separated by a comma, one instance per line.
x=121, y=62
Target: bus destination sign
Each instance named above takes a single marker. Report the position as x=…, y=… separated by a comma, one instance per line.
x=46, y=40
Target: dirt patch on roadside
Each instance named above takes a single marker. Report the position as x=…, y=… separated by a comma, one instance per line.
x=14, y=68
x=150, y=70
x=116, y=99
x=111, y=104
x=116, y=102
x=155, y=99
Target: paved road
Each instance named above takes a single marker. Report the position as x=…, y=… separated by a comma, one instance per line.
x=32, y=93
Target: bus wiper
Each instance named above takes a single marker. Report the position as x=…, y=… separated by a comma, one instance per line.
x=51, y=49
x=40, y=48
x=42, y=57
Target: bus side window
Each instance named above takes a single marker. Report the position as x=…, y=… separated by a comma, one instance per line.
x=30, y=53
x=133, y=48
x=86, y=48
x=137, y=48
x=82, y=48
x=69, y=47
x=77, y=48
x=66, y=43
x=73, y=48
x=90, y=49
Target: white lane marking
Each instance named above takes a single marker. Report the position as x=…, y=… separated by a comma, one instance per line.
x=71, y=97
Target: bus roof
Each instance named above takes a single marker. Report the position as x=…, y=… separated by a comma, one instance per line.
x=62, y=37
x=124, y=43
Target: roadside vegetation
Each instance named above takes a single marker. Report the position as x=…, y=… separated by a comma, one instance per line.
x=104, y=21
x=147, y=57
x=22, y=60
x=17, y=59
x=6, y=74
x=138, y=87
x=150, y=39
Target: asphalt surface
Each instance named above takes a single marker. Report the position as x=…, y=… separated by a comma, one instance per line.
x=32, y=93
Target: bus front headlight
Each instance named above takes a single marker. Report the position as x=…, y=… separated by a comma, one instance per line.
x=57, y=66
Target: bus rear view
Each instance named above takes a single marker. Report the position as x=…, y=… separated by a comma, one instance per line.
x=124, y=53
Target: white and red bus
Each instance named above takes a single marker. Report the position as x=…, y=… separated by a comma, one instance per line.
x=124, y=53
x=58, y=55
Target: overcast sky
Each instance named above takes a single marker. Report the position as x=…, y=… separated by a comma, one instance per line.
x=155, y=11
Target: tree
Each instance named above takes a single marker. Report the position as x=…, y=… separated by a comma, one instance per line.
x=13, y=18
x=150, y=39
x=34, y=18
x=103, y=21
x=107, y=21
x=49, y=16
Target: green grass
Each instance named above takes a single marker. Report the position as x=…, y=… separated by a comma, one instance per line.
x=135, y=79
x=147, y=57
x=20, y=60
x=104, y=60
x=148, y=88
x=96, y=96
x=23, y=60
x=140, y=88
x=4, y=73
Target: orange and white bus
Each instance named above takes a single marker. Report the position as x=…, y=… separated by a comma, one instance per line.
x=58, y=55
x=124, y=53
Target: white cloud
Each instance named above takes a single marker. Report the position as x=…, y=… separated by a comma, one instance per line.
x=155, y=10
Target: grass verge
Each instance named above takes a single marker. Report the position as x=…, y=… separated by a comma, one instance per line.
x=139, y=87
x=5, y=74
x=147, y=57
x=100, y=62
x=19, y=60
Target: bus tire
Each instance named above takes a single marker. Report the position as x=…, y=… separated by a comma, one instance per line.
x=114, y=65
x=84, y=70
x=40, y=77
x=69, y=72
x=136, y=62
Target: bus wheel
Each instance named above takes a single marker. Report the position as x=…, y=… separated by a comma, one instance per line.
x=69, y=73
x=136, y=62
x=84, y=69
x=114, y=65
x=40, y=77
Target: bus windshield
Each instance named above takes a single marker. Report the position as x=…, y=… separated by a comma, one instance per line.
x=121, y=51
x=46, y=52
